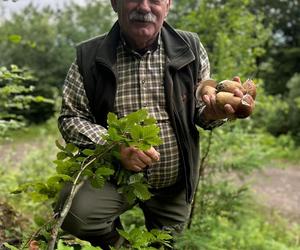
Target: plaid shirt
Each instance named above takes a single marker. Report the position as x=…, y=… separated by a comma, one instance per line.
x=140, y=85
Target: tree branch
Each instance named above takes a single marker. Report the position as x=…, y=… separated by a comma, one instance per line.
x=201, y=177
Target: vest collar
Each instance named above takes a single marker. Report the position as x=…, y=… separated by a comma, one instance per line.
x=177, y=50
x=107, y=50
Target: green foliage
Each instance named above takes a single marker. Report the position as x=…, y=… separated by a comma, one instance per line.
x=133, y=218
x=278, y=67
x=244, y=226
x=49, y=55
x=16, y=97
x=282, y=57
x=75, y=165
x=233, y=36
x=294, y=104
x=10, y=246
x=225, y=214
x=97, y=164
x=83, y=246
x=136, y=130
x=140, y=239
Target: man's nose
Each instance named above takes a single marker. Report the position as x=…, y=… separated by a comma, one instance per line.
x=144, y=6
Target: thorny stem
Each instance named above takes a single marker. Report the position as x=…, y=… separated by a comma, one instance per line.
x=75, y=188
x=201, y=177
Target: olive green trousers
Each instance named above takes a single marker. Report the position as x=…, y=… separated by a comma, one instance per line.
x=94, y=214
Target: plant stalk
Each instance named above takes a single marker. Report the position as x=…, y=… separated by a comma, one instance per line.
x=201, y=178
x=75, y=188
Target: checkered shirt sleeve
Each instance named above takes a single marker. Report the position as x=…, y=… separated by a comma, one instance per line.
x=204, y=73
x=76, y=122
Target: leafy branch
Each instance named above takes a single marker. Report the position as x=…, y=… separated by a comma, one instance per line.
x=98, y=165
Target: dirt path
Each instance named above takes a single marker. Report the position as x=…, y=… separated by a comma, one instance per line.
x=279, y=189
x=13, y=153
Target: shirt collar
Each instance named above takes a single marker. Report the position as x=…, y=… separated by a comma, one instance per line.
x=152, y=48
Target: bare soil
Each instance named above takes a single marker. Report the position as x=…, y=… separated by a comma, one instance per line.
x=279, y=190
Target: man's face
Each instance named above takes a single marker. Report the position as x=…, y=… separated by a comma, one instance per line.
x=141, y=20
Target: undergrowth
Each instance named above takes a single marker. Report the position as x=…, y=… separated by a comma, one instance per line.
x=232, y=219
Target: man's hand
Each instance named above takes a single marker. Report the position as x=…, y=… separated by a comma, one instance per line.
x=213, y=111
x=136, y=160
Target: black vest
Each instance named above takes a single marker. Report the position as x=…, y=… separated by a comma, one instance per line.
x=96, y=59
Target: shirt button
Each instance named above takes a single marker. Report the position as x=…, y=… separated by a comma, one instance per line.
x=143, y=81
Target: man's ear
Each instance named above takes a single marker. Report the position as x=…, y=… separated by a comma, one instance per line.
x=169, y=3
x=114, y=4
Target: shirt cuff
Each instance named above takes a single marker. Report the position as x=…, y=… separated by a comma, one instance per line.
x=209, y=125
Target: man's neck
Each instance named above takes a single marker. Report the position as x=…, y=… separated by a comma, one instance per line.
x=140, y=48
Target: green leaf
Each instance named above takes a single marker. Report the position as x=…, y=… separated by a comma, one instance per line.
x=124, y=234
x=97, y=182
x=136, y=132
x=88, y=247
x=134, y=178
x=116, y=154
x=61, y=155
x=87, y=172
x=141, y=191
x=61, y=246
x=155, y=141
x=10, y=246
x=22, y=188
x=137, y=117
x=39, y=220
x=161, y=235
x=80, y=159
x=127, y=191
x=104, y=171
x=58, y=178
x=15, y=38
x=88, y=152
x=150, y=131
x=112, y=119
x=113, y=134
x=37, y=197
x=149, y=121
x=71, y=148
x=61, y=147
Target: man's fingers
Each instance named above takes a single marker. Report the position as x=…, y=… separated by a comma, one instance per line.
x=229, y=109
x=136, y=160
x=153, y=154
x=144, y=158
x=135, y=168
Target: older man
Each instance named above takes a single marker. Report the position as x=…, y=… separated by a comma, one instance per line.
x=141, y=63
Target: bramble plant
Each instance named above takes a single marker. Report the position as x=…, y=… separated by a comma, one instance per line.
x=98, y=165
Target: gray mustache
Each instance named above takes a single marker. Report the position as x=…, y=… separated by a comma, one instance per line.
x=136, y=16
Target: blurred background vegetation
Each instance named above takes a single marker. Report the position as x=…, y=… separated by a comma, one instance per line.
x=256, y=39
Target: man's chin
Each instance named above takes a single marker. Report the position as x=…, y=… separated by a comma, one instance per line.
x=144, y=34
